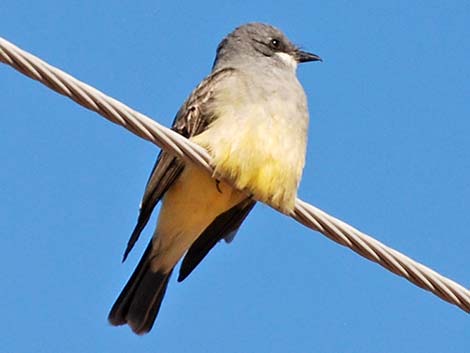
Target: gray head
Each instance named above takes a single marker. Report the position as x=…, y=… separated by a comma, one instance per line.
x=262, y=44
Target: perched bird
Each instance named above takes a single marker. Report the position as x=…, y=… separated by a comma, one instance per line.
x=251, y=115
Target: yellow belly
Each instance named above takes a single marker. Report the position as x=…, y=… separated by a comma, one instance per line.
x=258, y=136
x=189, y=206
x=262, y=155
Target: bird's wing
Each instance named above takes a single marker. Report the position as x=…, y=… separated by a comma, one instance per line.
x=225, y=225
x=191, y=119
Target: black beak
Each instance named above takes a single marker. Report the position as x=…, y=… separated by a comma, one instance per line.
x=303, y=56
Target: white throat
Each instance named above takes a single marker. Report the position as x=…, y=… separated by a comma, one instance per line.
x=288, y=60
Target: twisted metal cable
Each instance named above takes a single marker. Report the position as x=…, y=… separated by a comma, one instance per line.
x=167, y=139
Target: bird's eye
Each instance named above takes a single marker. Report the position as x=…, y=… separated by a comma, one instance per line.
x=275, y=43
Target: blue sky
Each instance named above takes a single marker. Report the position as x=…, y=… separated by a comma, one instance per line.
x=389, y=152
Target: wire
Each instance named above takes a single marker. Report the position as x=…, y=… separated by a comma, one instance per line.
x=172, y=142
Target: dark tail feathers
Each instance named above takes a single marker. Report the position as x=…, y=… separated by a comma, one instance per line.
x=140, y=300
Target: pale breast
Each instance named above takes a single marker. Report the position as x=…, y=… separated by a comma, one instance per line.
x=258, y=138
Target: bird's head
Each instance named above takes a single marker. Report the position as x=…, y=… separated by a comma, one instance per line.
x=260, y=43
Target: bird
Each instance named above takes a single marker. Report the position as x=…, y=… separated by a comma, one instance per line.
x=251, y=114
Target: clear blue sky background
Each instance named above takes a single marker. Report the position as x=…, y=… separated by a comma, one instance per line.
x=389, y=152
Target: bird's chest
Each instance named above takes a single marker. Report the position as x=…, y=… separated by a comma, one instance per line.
x=260, y=145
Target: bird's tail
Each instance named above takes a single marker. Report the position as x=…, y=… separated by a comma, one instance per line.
x=140, y=300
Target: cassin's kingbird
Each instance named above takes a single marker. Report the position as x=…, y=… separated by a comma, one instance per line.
x=251, y=115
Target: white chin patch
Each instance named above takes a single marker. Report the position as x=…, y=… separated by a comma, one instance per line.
x=288, y=60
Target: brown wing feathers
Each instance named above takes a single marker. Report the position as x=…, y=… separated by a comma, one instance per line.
x=189, y=121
